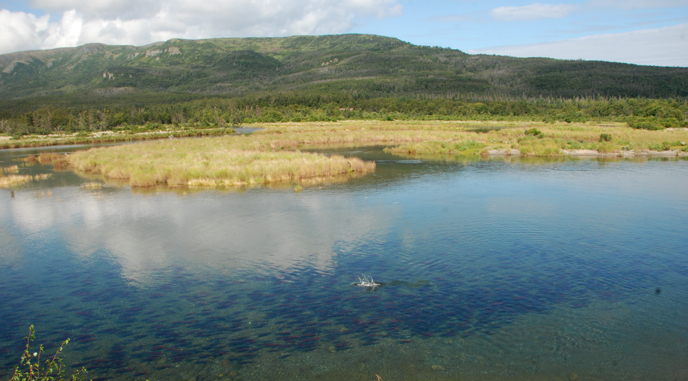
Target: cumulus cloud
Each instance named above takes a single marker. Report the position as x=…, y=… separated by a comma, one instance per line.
x=661, y=46
x=535, y=11
x=142, y=22
x=19, y=30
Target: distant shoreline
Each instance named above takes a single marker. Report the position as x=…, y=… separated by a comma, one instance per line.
x=591, y=153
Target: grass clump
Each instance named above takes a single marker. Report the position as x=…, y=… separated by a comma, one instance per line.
x=664, y=146
x=14, y=180
x=10, y=178
x=543, y=147
x=10, y=169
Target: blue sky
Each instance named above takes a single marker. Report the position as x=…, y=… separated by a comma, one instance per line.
x=634, y=31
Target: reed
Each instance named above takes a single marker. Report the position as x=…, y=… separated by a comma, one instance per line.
x=10, y=169
x=16, y=180
x=59, y=161
x=211, y=163
x=13, y=180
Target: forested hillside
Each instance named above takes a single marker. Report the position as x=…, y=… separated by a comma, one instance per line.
x=357, y=65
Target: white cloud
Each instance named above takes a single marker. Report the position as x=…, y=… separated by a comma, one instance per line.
x=535, y=11
x=143, y=22
x=663, y=47
x=640, y=4
x=19, y=30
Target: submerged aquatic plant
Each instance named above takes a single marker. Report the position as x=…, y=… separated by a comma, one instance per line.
x=367, y=282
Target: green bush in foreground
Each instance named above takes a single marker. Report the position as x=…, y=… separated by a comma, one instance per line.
x=51, y=369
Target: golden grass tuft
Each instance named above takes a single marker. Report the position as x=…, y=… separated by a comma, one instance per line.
x=16, y=180
x=10, y=169
x=59, y=161
x=91, y=185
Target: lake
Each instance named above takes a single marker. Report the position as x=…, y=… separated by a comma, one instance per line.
x=500, y=269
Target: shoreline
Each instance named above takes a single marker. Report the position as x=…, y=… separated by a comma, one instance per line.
x=105, y=137
x=591, y=153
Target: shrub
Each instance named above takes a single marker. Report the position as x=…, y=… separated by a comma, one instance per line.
x=645, y=125
x=535, y=132
x=605, y=138
x=669, y=122
x=50, y=370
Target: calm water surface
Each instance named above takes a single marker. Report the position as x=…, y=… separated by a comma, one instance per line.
x=513, y=270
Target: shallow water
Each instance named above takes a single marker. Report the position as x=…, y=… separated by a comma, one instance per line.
x=490, y=269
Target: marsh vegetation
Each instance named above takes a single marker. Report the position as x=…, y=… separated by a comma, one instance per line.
x=129, y=134
x=271, y=155
x=220, y=162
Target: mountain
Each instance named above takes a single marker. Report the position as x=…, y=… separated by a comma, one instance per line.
x=366, y=65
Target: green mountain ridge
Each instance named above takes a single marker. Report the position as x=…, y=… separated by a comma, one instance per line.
x=362, y=65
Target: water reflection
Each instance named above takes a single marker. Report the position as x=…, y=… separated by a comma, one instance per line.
x=490, y=270
x=145, y=233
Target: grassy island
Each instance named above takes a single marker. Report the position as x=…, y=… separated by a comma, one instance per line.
x=215, y=162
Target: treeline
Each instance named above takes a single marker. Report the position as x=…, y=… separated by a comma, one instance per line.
x=640, y=113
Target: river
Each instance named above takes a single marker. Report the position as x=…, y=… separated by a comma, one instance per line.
x=488, y=269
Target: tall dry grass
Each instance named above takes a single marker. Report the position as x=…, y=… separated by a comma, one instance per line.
x=210, y=163
x=16, y=180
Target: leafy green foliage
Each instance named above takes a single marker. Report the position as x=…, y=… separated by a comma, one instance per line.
x=51, y=369
x=645, y=125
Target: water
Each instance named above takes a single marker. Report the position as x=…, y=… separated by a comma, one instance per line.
x=490, y=269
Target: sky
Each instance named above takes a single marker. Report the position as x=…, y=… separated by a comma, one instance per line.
x=645, y=32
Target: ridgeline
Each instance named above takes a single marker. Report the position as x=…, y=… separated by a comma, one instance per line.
x=359, y=65
x=218, y=82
